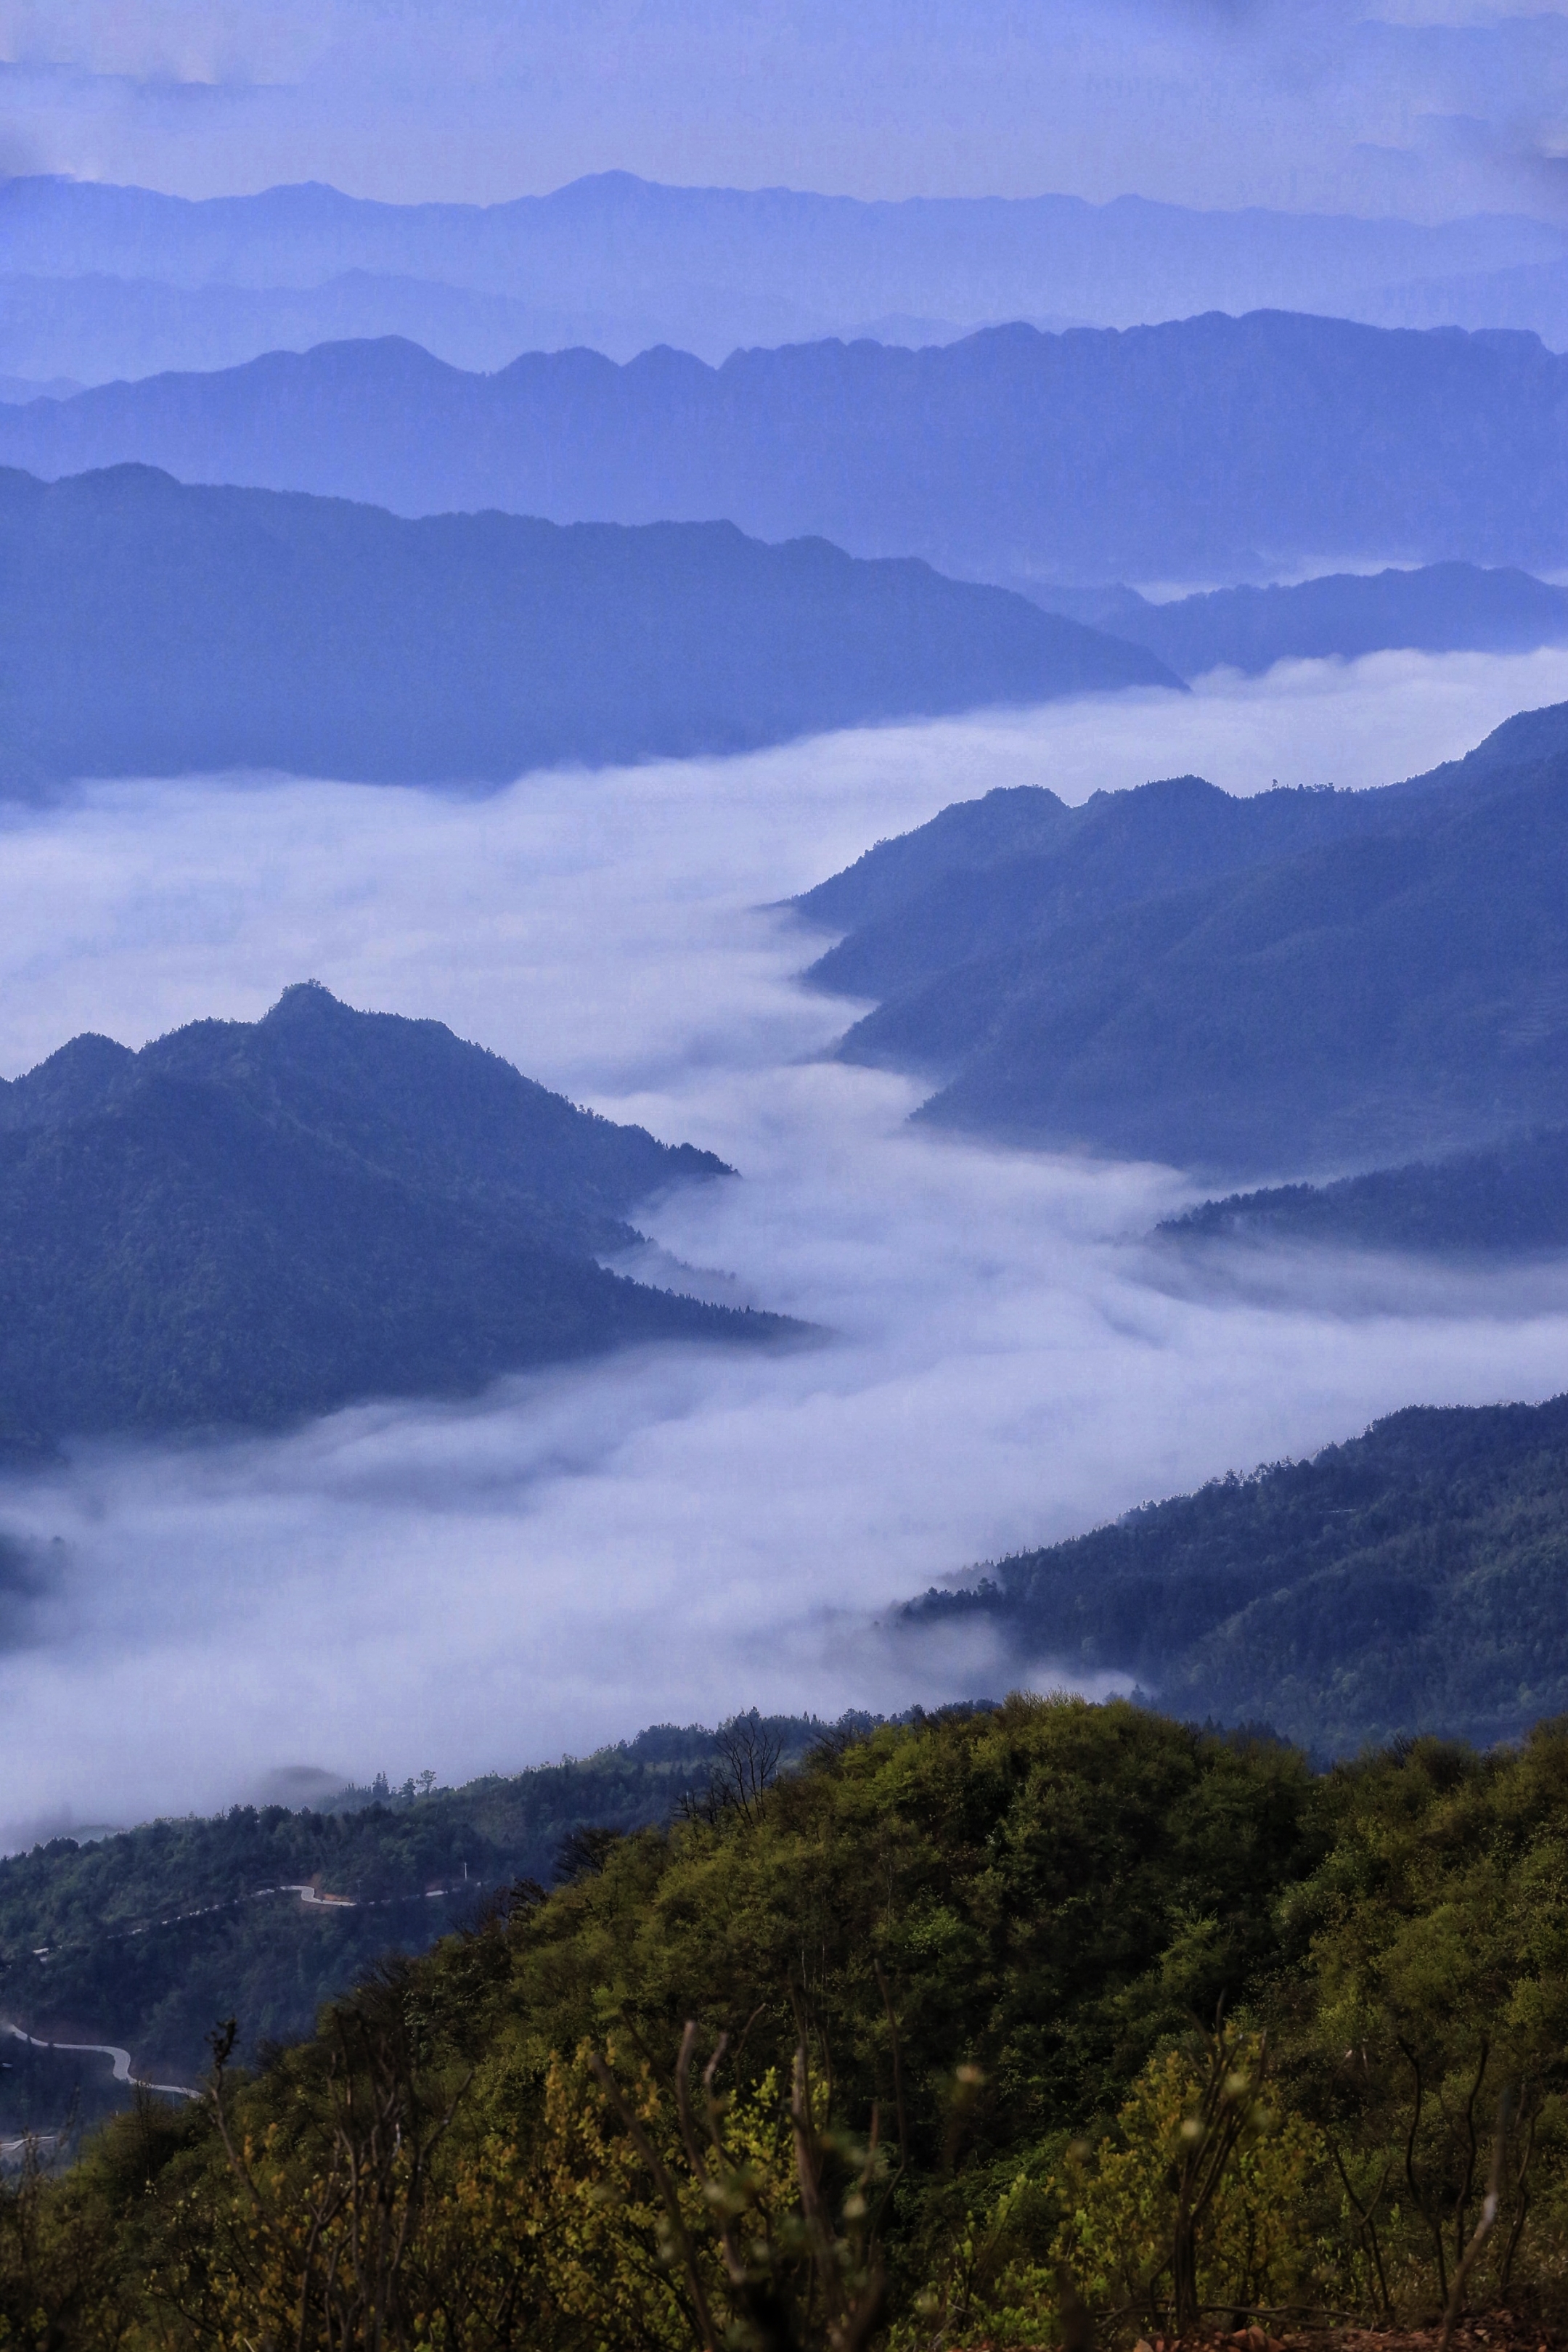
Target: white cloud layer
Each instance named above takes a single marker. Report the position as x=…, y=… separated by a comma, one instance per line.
x=680, y=1532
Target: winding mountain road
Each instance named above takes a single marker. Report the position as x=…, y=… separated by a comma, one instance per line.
x=120, y=2059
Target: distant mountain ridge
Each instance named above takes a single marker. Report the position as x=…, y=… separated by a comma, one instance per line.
x=1212, y=447
x=247, y=1222
x=1438, y=608
x=152, y=628
x=1298, y=983
x=731, y=265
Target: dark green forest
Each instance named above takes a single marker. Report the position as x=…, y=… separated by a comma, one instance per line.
x=247, y=1222
x=1408, y=1581
x=974, y=2032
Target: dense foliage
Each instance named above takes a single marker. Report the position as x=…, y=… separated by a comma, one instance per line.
x=1040, y=2004
x=248, y=1220
x=1409, y=1579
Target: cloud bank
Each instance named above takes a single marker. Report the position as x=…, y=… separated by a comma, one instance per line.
x=674, y=1533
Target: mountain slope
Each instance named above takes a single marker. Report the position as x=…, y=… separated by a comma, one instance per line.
x=1286, y=985
x=148, y=1934
x=1208, y=447
x=1408, y=1581
x=247, y=1222
x=986, y=875
x=152, y=628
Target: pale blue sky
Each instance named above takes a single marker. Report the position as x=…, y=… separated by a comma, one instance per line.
x=1426, y=109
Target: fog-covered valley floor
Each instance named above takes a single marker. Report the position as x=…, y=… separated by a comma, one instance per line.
x=683, y=1532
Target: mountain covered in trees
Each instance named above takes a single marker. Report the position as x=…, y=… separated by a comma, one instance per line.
x=1409, y=1580
x=1211, y=447
x=1297, y=983
x=154, y=629
x=1510, y=1200
x=1436, y=608
x=1071, y=2033
x=265, y=1912
x=248, y=1220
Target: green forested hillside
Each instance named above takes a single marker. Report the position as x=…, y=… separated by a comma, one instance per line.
x=248, y=1220
x=1409, y=1580
x=144, y=1937
x=1510, y=1200
x=958, y=2030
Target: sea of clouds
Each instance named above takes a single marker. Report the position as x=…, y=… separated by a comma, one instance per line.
x=677, y=1532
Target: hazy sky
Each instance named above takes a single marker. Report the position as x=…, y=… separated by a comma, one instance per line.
x=1427, y=106
x=676, y=1532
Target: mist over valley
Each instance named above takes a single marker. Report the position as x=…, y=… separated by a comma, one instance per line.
x=681, y=1528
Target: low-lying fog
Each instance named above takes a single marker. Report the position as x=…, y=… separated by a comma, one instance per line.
x=678, y=1533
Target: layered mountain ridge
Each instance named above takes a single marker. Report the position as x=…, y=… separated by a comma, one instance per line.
x=103, y=281
x=1211, y=447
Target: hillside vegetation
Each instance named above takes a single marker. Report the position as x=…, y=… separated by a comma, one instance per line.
x=954, y=2032
x=1408, y=1581
x=143, y=1937
x=1207, y=448
x=250, y=1221
x=157, y=629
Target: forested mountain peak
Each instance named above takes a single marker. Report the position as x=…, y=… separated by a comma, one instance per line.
x=247, y=1221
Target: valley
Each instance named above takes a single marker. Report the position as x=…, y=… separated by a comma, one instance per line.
x=1008, y=1358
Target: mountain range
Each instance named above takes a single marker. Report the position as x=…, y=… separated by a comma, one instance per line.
x=1300, y=982
x=98, y=281
x=250, y=1221
x=1408, y=1581
x=1209, y=448
x=152, y=628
